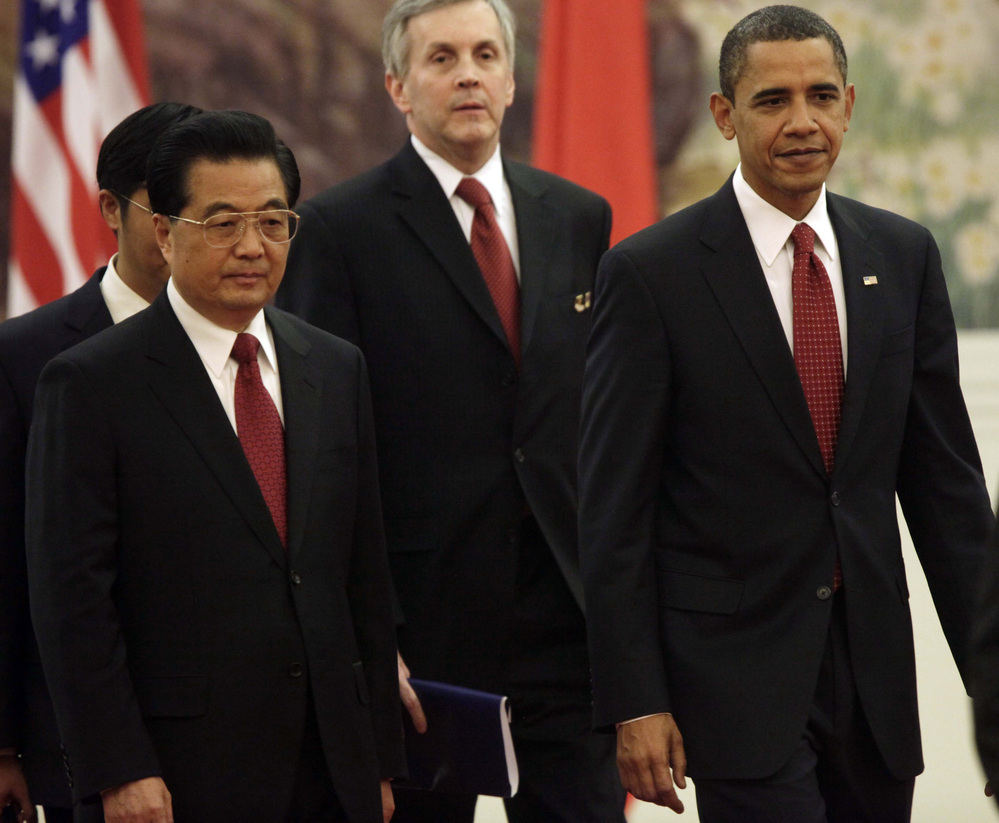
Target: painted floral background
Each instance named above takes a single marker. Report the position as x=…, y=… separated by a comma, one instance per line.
x=924, y=139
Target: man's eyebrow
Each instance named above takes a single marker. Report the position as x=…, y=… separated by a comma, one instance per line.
x=780, y=92
x=222, y=206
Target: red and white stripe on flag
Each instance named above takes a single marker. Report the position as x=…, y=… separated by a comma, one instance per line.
x=82, y=69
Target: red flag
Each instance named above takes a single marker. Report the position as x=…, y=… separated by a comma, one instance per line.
x=82, y=69
x=593, y=106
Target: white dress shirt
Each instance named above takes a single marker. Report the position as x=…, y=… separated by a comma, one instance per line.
x=121, y=301
x=214, y=346
x=491, y=176
x=771, y=231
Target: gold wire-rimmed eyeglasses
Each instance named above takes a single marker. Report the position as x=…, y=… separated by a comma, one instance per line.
x=224, y=230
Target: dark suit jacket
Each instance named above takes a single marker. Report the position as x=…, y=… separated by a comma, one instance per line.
x=27, y=343
x=178, y=635
x=709, y=527
x=463, y=438
x=985, y=669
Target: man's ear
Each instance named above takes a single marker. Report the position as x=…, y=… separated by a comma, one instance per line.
x=721, y=110
x=110, y=209
x=397, y=91
x=164, y=238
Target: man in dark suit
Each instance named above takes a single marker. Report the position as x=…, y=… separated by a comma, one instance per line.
x=739, y=538
x=476, y=407
x=132, y=278
x=206, y=562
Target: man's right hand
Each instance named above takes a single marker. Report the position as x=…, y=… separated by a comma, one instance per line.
x=646, y=750
x=409, y=698
x=13, y=788
x=141, y=801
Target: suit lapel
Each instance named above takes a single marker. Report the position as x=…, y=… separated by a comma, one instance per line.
x=732, y=270
x=177, y=377
x=864, y=316
x=301, y=389
x=536, y=237
x=428, y=213
x=86, y=311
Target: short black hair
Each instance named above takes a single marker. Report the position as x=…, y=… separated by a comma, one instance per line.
x=216, y=136
x=772, y=24
x=121, y=161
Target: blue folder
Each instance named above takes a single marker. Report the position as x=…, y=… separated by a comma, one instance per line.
x=467, y=746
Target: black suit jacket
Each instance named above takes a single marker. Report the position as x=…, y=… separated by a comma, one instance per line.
x=178, y=635
x=27, y=343
x=464, y=440
x=709, y=527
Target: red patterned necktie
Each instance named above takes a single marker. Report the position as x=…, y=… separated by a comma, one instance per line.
x=494, y=259
x=818, y=350
x=261, y=434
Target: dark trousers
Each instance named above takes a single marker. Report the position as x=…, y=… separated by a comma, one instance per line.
x=836, y=773
x=313, y=798
x=567, y=773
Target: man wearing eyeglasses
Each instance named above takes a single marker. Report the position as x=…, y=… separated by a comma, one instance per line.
x=205, y=552
x=31, y=767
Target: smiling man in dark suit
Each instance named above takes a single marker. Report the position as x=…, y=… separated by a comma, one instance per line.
x=476, y=360
x=767, y=370
x=130, y=281
x=206, y=561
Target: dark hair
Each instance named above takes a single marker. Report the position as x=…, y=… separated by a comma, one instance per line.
x=121, y=162
x=217, y=136
x=770, y=25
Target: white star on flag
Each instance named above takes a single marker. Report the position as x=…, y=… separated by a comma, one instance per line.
x=43, y=50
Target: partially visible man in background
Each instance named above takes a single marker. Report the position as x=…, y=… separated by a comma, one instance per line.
x=466, y=280
x=31, y=764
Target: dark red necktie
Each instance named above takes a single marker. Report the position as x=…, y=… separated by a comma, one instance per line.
x=494, y=259
x=261, y=434
x=818, y=350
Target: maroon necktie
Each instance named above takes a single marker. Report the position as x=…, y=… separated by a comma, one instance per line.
x=818, y=351
x=494, y=259
x=261, y=434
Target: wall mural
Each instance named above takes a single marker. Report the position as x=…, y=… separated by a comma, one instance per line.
x=923, y=140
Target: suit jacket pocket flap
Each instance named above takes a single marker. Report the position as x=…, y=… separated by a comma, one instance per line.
x=172, y=696
x=694, y=592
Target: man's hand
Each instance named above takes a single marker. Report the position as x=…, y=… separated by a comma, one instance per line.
x=388, y=802
x=646, y=749
x=141, y=801
x=13, y=788
x=409, y=698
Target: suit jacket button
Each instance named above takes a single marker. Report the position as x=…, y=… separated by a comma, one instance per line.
x=835, y=499
x=823, y=593
x=296, y=578
x=296, y=670
x=519, y=455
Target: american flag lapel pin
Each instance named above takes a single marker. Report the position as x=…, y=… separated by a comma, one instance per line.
x=584, y=301
x=870, y=280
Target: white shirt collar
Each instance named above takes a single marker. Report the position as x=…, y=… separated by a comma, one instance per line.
x=214, y=343
x=121, y=300
x=771, y=229
x=490, y=175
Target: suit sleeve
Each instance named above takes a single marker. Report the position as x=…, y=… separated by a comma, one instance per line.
x=622, y=446
x=371, y=595
x=14, y=618
x=71, y=536
x=985, y=669
x=940, y=483
x=316, y=285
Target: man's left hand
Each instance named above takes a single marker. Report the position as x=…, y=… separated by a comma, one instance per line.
x=388, y=801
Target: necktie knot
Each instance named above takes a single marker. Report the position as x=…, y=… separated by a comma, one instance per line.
x=245, y=349
x=803, y=237
x=474, y=193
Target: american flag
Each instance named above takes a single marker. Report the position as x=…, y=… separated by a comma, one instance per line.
x=82, y=69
